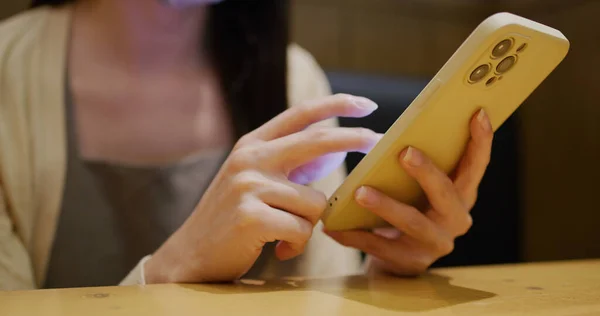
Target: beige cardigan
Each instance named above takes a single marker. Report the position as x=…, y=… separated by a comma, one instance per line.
x=33, y=149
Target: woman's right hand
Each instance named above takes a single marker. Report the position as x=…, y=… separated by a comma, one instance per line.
x=258, y=195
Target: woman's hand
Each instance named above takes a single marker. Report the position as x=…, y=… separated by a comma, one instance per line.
x=253, y=200
x=421, y=237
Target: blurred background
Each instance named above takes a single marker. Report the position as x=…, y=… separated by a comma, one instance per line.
x=538, y=200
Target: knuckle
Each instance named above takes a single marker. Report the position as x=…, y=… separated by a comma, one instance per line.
x=245, y=181
x=240, y=159
x=445, y=246
x=319, y=134
x=471, y=199
x=468, y=221
x=414, y=220
x=306, y=109
x=249, y=215
x=444, y=190
x=447, y=190
x=466, y=225
x=242, y=142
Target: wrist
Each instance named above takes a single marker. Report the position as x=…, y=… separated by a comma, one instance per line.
x=161, y=267
x=154, y=272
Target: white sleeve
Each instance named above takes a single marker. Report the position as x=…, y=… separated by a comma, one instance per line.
x=137, y=276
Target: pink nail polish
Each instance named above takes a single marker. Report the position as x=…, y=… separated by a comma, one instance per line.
x=365, y=103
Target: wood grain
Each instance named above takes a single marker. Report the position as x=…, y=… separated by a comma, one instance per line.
x=560, y=288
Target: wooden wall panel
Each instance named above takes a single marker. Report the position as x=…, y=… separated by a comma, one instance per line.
x=10, y=7
x=561, y=145
x=322, y=25
x=383, y=36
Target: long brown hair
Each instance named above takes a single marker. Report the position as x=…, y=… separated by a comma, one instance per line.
x=248, y=44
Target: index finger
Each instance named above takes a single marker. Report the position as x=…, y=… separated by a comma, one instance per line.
x=293, y=151
x=299, y=117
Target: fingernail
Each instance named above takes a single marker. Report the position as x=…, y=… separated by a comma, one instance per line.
x=366, y=198
x=365, y=103
x=484, y=120
x=413, y=157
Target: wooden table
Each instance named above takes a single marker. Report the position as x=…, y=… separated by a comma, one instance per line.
x=562, y=288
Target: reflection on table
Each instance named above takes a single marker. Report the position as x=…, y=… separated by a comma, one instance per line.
x=535, y=289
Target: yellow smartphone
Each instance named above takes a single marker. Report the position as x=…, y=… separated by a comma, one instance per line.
x=496, y=68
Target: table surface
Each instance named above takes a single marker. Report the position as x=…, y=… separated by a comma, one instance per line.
x=557, y=288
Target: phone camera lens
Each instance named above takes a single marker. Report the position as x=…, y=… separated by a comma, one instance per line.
x=502, y=48
x=479, y=73
x=506, y=64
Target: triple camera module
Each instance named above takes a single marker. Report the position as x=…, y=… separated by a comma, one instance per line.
x=502, y=61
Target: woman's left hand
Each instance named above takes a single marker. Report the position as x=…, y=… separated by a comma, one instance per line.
x=422, y=237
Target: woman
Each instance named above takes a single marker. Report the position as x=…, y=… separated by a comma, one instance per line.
x=120, y=125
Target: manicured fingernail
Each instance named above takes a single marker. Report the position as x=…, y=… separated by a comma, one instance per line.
x=366, y=198
x=365, y=103
x=413, y=157
x=484, y=120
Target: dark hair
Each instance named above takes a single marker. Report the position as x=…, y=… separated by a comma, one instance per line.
x=248, y=44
